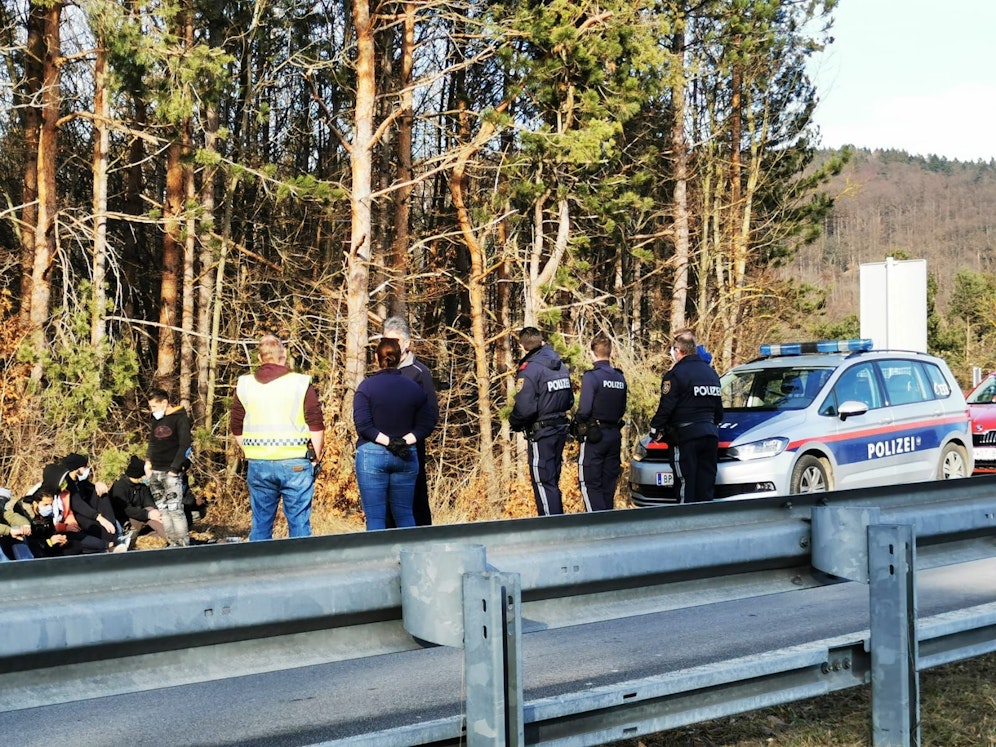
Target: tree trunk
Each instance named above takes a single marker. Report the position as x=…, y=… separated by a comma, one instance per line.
x=679, y=205
x=476, y=293
x=542, y=273
x=357, y=261
x=206, y=288
x=170, y=275
x=27, y=101
x=101, y=143
x=48, y=152
x=397, y=301
x=189, y=261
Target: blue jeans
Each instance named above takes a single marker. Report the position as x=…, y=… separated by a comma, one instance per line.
x=268, y=480
x=12, y=549
x=386, y=479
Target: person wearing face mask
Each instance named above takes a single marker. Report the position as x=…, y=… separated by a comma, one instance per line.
x=90, y=503
x=33, y=516
x=688, y=415
x=396, y=328
x=169, y=440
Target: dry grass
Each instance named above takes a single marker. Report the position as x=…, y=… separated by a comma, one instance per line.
x=957, y=709
x=337, y=507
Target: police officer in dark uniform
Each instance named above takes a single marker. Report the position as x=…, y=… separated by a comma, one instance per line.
x=541, y=403
x=597, y=426
x=687, y=417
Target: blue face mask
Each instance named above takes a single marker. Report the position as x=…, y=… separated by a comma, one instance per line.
x=46, y=510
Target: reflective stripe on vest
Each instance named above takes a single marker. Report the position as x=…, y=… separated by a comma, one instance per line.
x=274, y=427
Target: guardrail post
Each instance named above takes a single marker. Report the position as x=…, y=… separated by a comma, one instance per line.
x=432, y=589
x=894, y=646
x=840, y=540
x=493, y=659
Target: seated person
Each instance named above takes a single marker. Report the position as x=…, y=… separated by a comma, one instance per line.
x=133, y=503
x=56, y=482
x=33, y=515
x=12, y=535
x=91, y=504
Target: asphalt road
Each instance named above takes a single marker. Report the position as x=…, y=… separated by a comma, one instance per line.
x=338, y=700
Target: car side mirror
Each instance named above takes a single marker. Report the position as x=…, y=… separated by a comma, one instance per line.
x=851, y=408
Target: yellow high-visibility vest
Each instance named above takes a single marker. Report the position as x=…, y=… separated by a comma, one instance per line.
x=274, y=427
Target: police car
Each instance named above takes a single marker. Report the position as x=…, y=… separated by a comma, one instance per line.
x=812, y=417
x=982, y=408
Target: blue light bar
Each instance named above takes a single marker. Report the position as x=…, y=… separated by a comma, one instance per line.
x=823, y=346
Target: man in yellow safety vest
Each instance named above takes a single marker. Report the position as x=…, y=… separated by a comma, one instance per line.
x=277, y=420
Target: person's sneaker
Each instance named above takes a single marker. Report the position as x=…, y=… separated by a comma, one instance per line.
x=120, y=547
x=129, y=539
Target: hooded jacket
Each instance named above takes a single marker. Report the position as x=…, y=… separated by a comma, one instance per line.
x=544, y=391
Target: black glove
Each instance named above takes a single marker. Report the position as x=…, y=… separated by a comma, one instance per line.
x=656, y=436
x=399, y=448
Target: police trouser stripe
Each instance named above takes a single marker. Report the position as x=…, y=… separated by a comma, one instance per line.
x=584, y=485
x=538, y=480
x=677, y=473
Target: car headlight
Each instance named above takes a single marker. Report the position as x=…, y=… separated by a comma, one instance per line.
x=640, y=451
x=767, y=447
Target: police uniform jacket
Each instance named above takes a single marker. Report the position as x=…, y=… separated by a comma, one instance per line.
x=545, y=393
x=603, y=395
x=691, y=405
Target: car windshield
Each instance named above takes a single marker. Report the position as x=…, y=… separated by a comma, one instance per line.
x=984, y=394
x=776, y=388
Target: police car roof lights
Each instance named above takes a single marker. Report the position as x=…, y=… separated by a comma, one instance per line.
x=855, y=345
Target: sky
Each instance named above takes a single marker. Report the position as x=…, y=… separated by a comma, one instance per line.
x=914, y=75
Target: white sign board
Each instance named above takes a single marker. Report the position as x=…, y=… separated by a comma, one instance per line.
x=894, y=304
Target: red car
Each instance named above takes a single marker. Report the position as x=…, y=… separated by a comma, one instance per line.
x=982, y=407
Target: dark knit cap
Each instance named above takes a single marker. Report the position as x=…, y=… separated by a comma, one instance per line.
x=52, y=477
x=74, y=461
x=136, y=467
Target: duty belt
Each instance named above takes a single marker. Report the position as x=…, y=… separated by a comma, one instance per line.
x=609, y=423
x=552, y=422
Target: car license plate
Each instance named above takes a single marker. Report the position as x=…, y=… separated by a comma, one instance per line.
x=666, y=479
x=985, y=454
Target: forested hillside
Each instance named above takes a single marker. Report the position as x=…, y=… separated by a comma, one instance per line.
x=889, y=203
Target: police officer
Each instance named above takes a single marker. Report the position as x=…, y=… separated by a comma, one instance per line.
x=687, y=417
x=541, y=403
x=597, y=425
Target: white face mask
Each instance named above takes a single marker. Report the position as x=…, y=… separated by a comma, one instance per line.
x=674, y=354
x=158, y=414
x=46, y=510
x=84, y=474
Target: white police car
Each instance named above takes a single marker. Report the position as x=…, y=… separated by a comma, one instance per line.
x=811, y=417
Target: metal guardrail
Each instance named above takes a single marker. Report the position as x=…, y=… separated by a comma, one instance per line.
x=244, y=608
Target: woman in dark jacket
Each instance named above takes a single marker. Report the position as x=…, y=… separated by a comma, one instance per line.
x=390, y=413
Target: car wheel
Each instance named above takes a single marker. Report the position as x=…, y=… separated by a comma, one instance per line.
x=953, y=464
x=811, y=475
